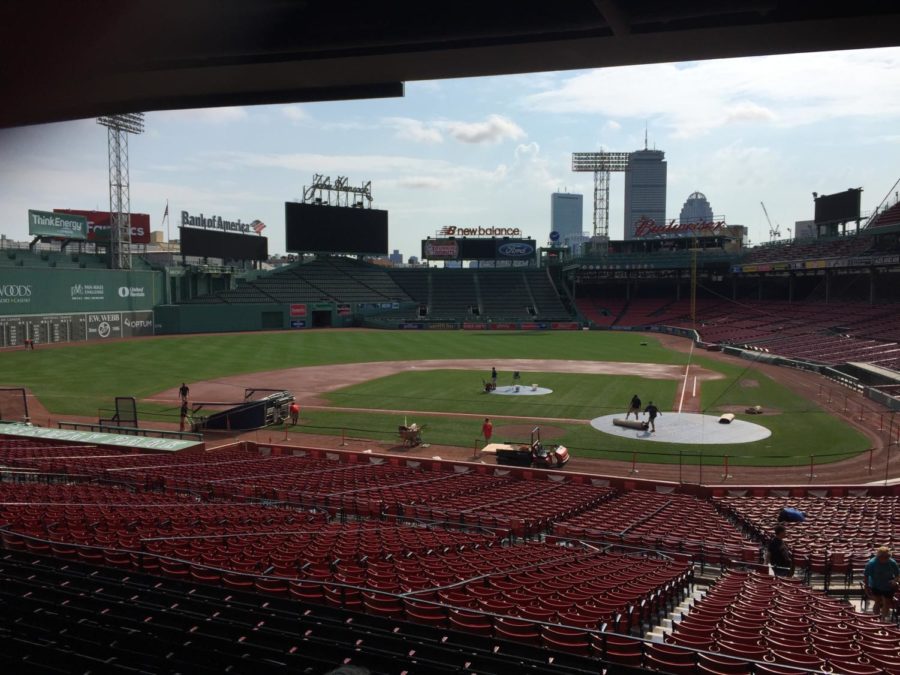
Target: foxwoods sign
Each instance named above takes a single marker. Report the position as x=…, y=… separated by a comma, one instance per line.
x=214, y=223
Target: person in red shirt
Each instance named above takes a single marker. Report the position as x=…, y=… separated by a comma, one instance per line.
x=295, y=413
x=487, y=429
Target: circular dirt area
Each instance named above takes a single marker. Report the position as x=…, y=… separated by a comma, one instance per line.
x=687, y=428
x=522, y=432
x=521, y=390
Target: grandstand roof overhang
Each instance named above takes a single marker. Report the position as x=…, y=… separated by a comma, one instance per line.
x=83, y=59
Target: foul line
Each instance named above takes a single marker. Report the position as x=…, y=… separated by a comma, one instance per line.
x=687, y=370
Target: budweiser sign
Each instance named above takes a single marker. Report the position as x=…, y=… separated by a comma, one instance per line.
x=647, y=227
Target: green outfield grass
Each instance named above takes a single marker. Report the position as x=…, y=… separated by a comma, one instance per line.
x=582, y=439
x=79, y=379
x=574, y=396
x=800, y=430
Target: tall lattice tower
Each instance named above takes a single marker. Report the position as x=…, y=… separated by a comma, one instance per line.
x=601, y=164
x=118, y=128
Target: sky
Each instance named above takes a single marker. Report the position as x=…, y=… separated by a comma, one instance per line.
x=489, y=151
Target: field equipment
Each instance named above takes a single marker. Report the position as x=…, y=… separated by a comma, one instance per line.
x=411, y=435
x=535, y=454
x=251, y=413
x=632, y=424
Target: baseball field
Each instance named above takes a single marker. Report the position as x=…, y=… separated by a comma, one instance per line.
x=367, y=382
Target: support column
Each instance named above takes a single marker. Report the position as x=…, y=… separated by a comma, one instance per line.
x=791, y=288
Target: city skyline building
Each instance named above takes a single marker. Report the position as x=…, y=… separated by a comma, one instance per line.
x=696, y=209
x=645, y=189
x=567, y=217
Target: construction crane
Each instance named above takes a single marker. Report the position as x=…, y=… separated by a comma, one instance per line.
x=774, y=230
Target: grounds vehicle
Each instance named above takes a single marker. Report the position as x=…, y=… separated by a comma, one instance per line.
x=536, y=454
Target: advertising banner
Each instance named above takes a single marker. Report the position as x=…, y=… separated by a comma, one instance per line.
x=64, y=226
x=473, y=248
x=298, y=323
x=298, y=310
x=503, y=326
x=62, y=291
x=564, y=325
x=470, y=325
x=440, y=249
x=411, y=326
x=343, y=309
x=520, y=249
x=98, y=225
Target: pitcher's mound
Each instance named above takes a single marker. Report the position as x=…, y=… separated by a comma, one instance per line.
x=521, y=390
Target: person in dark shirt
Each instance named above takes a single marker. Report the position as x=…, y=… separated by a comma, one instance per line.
x=779, y=554
x=184, y=414
x=183, y=391
x=494, y=377
x=652, y=412
x=634, y=407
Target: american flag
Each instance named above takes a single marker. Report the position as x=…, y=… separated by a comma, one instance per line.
x=258, y=226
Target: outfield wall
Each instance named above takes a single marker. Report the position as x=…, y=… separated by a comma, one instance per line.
x=68, y=305
x=221, y=317
x=33, y=290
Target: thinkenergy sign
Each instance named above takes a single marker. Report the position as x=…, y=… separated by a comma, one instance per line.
x=213, y=223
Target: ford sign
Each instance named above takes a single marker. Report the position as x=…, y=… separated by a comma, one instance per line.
x=515, y=250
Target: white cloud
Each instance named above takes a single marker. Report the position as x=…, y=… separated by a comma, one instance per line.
x=417, y=131
x=695, y=98
x=612, y=125
x=747, y=111
x=422, y=183
x=295, y=113
x=203, y=115
x=494, y=129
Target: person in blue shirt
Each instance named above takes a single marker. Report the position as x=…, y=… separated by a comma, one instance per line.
x=882, y=578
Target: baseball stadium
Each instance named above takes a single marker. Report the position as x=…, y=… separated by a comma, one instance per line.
x=675, y=452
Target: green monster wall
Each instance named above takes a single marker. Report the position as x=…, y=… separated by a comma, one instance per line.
x=27, y=290
x=68, y=305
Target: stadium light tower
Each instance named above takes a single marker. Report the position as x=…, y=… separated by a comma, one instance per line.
x=118, y=128
x=601, y=164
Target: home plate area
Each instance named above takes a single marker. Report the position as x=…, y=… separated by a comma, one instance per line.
x=522, y=390
x=690, y=428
